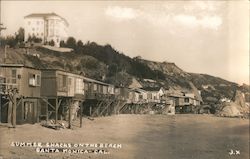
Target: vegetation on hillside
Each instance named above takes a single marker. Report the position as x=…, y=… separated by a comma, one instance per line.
x=109, y=65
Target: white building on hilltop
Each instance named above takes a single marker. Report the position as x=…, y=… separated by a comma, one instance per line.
x=47, y=26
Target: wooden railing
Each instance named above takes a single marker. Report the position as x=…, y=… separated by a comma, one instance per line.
x=99, y=96
x=5, y=88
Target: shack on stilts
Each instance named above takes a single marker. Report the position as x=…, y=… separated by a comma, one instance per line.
x=101, y=98
x=20, y=94
x=62, y=95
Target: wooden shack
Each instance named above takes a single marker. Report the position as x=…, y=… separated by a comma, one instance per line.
x=155, y=94
x=20, y=93
x=102, y=99
x=97, y=90
x=185, y=102
x=62, y=94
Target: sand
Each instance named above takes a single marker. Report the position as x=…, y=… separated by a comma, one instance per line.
x=141, y=137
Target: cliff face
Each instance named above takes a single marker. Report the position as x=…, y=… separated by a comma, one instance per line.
x=211, y=87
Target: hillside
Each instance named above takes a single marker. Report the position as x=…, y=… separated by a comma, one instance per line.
x=106, y=64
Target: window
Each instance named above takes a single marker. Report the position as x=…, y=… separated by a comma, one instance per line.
x=41, y=34
x=13, y=76
x=62, y=82
x=95, y=87
x=140, y=96
x=34, y=79
x=2, y=87
x=149, y=96
x=86, y=86
x=155, y=98
x=79, y=86
x=186, y=100
x=28, y=22
x=33, y=29
x=105, y=89
x=38, y=80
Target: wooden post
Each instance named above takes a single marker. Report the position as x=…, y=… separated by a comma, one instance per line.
x=10, y=111
x=136, y=108
x=70, y=115
x=14, y=111
x=90, y=111
x=22, y=105
x=47, y=111
x=38, y=110
x=56, y=110
x=81, y=114
x=0, y=108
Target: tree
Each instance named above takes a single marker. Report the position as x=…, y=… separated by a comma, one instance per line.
x=79, y=44
x=62, y=43
x=11, y=41
x=71, y=42
x=34, y=39
x=20, y=35
x=113, y=69
x=52, y=43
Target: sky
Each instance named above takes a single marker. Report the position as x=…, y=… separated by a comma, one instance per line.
x=210, y=37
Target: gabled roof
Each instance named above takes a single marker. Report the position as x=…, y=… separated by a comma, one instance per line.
x=154, y=89
x=135, y=84
x=45, y=15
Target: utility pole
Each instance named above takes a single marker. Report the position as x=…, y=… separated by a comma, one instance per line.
x=1, y=25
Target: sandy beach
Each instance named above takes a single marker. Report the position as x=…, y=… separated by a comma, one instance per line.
x=141, y=137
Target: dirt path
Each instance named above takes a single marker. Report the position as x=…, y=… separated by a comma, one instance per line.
x=141, y=136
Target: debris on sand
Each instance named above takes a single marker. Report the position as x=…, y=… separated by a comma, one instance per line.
x=90, y=118
x=52, y=125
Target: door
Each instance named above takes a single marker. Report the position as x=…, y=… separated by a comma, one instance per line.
x=29, y=112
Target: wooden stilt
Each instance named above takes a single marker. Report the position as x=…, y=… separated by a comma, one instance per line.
x=90, y=111
x=56, y=110
x=14, y=111
x=22, y=105
x=10, y=111
x=81, y=104
x=38, y=112
x=106, y=108
x=0, y=108
x=47, y=111
x=70, y=111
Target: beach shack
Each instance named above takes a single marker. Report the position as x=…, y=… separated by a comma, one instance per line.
x=184, y=102
x=62, y=94
x=155, y=94
x=20, y=87
x=98, y=90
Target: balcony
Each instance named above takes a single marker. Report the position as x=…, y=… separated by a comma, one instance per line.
x=6, y=88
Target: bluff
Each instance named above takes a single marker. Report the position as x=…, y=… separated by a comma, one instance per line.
x=109, y=65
